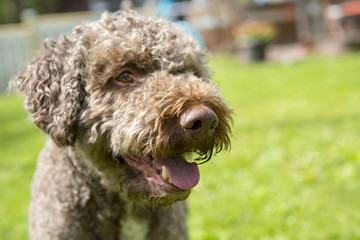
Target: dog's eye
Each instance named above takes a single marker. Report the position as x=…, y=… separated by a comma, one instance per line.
x=126, y=77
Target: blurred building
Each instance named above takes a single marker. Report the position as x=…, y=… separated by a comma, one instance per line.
x=313, y=19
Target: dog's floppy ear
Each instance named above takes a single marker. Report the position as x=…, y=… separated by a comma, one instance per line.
x=53, y=90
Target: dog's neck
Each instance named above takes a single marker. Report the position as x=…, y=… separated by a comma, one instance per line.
x=85, y=176
x=134, y=223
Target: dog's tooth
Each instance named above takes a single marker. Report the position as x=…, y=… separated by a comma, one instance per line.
x=190, y=160
x=188, y=156
x=164, y=173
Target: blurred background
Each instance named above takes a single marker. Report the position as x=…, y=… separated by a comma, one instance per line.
x=291, y=72
x=275, y=30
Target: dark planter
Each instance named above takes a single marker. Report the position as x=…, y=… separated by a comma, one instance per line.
x=253, y=52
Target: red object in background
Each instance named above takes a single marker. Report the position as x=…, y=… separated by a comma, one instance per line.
x=351, y=8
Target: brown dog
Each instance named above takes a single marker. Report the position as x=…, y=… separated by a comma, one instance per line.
x=124, y=100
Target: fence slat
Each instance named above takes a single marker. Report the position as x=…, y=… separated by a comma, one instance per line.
x=17, y=40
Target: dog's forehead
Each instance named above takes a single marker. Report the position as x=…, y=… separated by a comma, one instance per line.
x=139, y=30
x=145, y=42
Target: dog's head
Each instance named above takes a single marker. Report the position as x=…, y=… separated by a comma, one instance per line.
x=133, y=95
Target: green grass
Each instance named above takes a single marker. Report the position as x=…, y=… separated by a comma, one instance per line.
x=20, y=143
x=293, y=171
x=294, y=168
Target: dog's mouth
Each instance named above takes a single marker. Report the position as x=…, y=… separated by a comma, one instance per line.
x=172, y=174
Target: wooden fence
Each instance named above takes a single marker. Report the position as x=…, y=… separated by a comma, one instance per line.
x=18, y=42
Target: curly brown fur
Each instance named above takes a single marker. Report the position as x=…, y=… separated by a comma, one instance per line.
x=116, y=131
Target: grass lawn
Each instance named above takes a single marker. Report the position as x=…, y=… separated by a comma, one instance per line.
x=293, y=171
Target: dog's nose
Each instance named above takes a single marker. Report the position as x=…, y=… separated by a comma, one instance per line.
x=199, y=121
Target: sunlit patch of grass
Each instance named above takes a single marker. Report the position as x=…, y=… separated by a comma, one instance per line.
x=20, y=145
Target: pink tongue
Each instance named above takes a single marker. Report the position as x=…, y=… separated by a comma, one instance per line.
x=182, y=174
